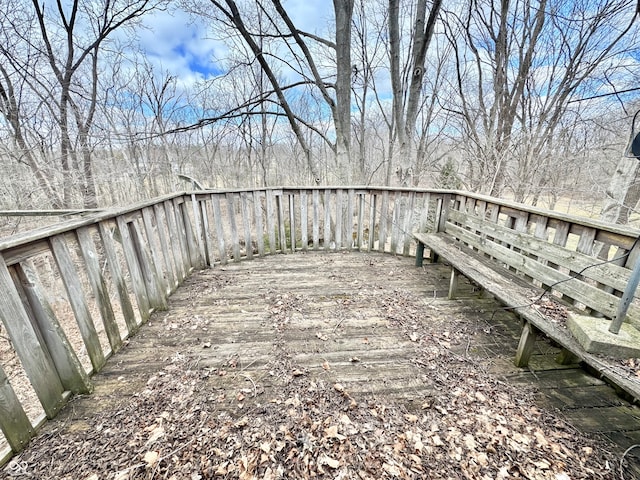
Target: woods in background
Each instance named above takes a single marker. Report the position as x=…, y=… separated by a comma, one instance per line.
x=485, y=95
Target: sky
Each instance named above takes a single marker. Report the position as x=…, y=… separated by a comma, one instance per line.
x=179, y=44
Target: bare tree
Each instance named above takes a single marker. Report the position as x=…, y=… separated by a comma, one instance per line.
x=406, y=114
x=518, y=65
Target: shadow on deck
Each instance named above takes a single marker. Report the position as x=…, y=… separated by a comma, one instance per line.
x=314, y=343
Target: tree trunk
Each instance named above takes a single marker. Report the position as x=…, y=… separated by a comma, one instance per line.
x=623, y=192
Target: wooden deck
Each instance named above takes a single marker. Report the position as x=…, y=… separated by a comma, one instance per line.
x=341, y=319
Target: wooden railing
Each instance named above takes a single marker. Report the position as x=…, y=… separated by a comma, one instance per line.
x=71, y=293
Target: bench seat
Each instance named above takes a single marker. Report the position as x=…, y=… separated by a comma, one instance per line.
x=518, y=295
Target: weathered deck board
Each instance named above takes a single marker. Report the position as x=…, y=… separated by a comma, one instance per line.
x=252, y=326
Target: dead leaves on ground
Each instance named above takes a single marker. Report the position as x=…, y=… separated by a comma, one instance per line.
x=178, y=428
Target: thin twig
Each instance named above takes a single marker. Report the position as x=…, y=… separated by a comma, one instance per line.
x=182, y=447
x=255, y=389
x=626, y=452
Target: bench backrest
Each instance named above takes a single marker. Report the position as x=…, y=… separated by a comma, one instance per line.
x=565, y=257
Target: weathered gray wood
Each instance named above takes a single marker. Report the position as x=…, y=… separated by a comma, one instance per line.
x=361, y=217
x=384, y=221
x=72, y=374
x=424, y=212
x=175, y=240
x=292, y=222
x=562, y=233
x=154, y=250
x=526, y=345
x=217, y=217
x=246, y=223
x=77, y=300
x=542, y=250
x=271, y=227
x=586, y=242
x=36, y=361
x=372, y=222
x=408, y=223
x=395, y=222
x=194, y=257
x=565, y=357
x=165, y=248
x=281, y=220
x=339, y=218
x=257, y=207
x=181, y=235
x=137, y=279
x=350, y=211
x=507, y=289
x=14, y=423
x=117, y=277
x=419, y=254
x=99, y=287
x=206, y=233
x=453, y=284
x=315, y=197
x=233, y=226
x=575, y=289
x=199, y=230
x=304, y=220
x=327, y=219
x=155, y=291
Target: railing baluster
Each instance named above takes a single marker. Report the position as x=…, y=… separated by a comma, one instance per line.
x=235, y=242
x=350, y=211
x=384, y=221
x=246, y=223
x=372, y=221
x=316, y=219
x=36, y=361
x=304, y=220
x=271, y=227
x=154, y=250
x=137, y=280
x=193, y=257
x=77, y=300
x=217, y=217
x=408, y=224
x=165, y=248
x=327, y=219
x=99, y=287
x=257, y=208
x=199, y=233
x=281, y=219
x=72, y=374
x=339, y=219
x=117, y=277
x=181, y=236
x=14, y=423
x=174, y=238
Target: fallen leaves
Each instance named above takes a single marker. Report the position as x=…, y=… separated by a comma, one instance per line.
x=472, y=427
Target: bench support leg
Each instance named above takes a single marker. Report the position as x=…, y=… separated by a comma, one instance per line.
x=453, y=284
x=419, y=254
x=526, y=345
x=565, y=357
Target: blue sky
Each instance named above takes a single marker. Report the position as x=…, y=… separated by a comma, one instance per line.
x=180, y=45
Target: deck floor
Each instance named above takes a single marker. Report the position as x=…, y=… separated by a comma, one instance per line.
x=349, y=322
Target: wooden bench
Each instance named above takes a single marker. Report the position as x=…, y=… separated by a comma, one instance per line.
x=519, y=268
